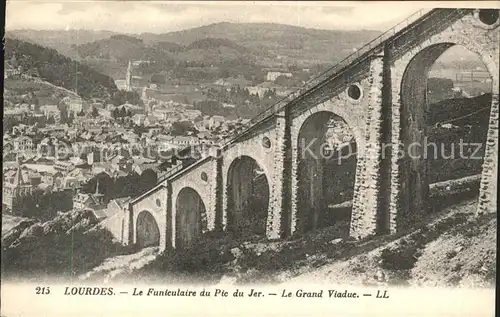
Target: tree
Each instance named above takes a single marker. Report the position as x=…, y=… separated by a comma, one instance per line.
x=120, y=97
x=181, y=128
x=158, y=79
x=224, y=73
x=95, y=112
x=115, y=113
x=283, y=80
x=63, y=109
x=123, y=112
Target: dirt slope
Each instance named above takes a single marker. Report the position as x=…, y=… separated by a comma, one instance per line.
x=454, y=248
x=457, y=248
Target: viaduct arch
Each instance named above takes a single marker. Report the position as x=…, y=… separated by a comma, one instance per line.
x=191, y=217
x=376, y=91
x=147, y=232
x=248, y=197
x=409, y=75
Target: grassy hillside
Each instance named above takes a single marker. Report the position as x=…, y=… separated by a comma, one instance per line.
x=121, y=48
x=69, y=244
x=45, y=93
x=449, y=109
x=59, y=70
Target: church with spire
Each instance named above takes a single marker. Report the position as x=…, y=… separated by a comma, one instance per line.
x=128, y=77
x=93, y=201
x=15, y=189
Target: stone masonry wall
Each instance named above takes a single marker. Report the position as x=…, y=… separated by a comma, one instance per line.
x=206, y=189
x=468, y=32
x=365, y=117
x=154, y=203
x=353, y=112
x=279, y=197
x=367, y=187
x=263, y=156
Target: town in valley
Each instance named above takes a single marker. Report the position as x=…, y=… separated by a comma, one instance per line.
x=121, y=162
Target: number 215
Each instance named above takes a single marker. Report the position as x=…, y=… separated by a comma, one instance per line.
x=42, y=290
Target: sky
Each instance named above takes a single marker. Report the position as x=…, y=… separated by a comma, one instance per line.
x=160, y=17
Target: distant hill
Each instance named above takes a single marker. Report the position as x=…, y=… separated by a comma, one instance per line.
x=112, y=55
x=59, y=70
x=297, y=43
x=169, y=47
x=60, y=40
x=267, y=42
x=121, y=48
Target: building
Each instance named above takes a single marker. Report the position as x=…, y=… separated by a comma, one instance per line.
x=15, y=113
x=232, y=82
x=106, y=113
x=139, y=119
x=191, y=114
x=215, y=121
x=272, y=75
x=51, y=177
x=154, y=130
x=150, y=120
x=51, y=111
x=11, y=72
x=75, y=106
x=121, y=163
x=64, y=166
x=116, y=219
x=133, y=109
x=14, y=190
x=264, y=87
x=23, y=144
x=185, y=141
x=89, y=201
x=164, y=114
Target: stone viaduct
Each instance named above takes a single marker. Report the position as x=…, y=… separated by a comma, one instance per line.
x=380, y=92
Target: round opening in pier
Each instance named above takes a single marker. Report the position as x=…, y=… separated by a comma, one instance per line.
x=266, y=142
x=488, y=16
x=354, y=92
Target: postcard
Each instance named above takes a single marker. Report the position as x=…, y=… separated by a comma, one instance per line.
x=253, y=158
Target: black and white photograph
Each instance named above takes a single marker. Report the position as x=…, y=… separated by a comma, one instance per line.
x=249, y=143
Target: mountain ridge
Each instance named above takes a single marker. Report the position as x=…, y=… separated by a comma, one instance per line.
x=299, y=44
